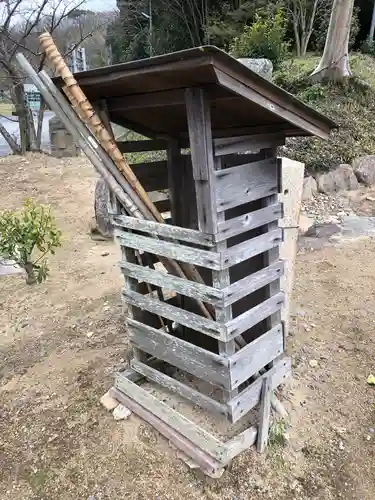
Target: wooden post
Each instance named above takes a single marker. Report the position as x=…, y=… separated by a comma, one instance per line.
x=200, y=135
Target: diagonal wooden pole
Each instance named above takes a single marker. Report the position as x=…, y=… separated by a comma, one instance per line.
x=93, y=120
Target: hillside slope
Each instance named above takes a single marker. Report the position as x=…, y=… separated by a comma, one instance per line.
x=351, y=105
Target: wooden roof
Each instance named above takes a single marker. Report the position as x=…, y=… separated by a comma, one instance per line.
x=148, y=96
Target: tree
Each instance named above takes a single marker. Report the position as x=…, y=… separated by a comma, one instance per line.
x=334, y=64
x=303, y=17
x=21, y=21
x=27, y=237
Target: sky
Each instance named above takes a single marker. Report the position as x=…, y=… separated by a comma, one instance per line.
x=100, y=5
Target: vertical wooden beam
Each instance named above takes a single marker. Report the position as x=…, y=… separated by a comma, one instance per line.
x=220, y=280
x=264, y=416
x=201, y=146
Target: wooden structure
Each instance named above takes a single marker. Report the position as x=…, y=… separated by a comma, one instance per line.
x=220, y=125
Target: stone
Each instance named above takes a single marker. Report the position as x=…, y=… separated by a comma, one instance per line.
x=262, y=66
x=364, y=169
x=310, y=188
x=340, y=179
x=305, y=223
x=89, y=334
x=313, y=363
x=102, y=218
x=108, y=401
x=121, y=412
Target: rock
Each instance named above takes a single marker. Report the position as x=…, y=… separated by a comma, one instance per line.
x=103, y=222
x=89, y=334
x=340, y=179
x=310, y=188
x=305, y=223
x=104, y=254
x=313, y=363
x=263, y=67
x=364, y=169
x=108, y=401
x=121, y=412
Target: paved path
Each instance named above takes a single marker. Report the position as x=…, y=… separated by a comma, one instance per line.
x=12, y=127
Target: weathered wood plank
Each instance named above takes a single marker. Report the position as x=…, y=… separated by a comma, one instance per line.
x=181, y=424
x=250, y=248
x=175, y=251
x=252, y=181
x=199, y=123
x=256, y=355
x=188, y=357
x=140, y=146
x=166, y=230
x=250, y=397
x=248, y=143
x=180, y=316
x=253, y=282
x=264, y=414
x=254, y=316
x=241, y=442
x=174, y=283
x=246, y=222
x=208, y=464
x=175, y=386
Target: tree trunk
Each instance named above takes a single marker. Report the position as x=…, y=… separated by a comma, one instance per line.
x=30, y=273
x=372, y=26
x=23, y=117
x=334, y=64
x=16, y=150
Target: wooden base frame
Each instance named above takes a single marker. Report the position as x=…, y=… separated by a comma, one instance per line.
x=210, y=454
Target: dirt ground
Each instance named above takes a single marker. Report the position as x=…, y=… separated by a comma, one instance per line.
x=61, y=341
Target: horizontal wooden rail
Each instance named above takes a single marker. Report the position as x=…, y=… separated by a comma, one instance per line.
x=195, y=256
x=165, y=230
x=188, y=357
x=180, y=316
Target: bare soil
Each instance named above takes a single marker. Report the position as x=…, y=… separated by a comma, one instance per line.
x=61, y=341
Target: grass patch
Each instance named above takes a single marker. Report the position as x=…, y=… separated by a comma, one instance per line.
x=350, y=104
x=277, y=434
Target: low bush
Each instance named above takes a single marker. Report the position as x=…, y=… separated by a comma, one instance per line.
x=350, y=104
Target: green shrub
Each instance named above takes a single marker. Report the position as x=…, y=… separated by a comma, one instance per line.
x=265, y=37
x=350, y=104
x=27, y=237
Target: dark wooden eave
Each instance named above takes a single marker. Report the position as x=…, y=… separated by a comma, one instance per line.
x=148, y=96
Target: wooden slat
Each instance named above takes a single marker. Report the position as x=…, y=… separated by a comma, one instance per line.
x=174, y=283
x=250, y=248
x=152, y=175
x=180, y=316
x=254, y=316
x=264, y=415
x=248, y=143
x=207, y=463
x=250, y=397
x=183, y=253
x=253, y=282
x=188, y=357
x=199, y=123
x=190, y=430
x=140, y=146
x=252, y=181
x=166, y=230
x=246, y=222
x=256, y=355
x=175, y=386
x=241, y=442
